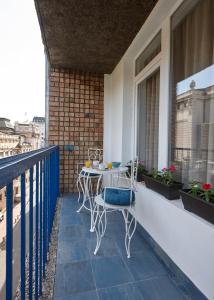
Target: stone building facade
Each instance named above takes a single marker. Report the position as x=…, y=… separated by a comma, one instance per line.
x=30, y=132
x=40, y=123
x=194, y=134
x=75, y=118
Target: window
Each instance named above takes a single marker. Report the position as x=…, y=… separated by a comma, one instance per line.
x=192, y=134
x=148, y=54
x=148, y=120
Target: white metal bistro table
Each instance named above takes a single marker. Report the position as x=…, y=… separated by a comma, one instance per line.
x=87, y=196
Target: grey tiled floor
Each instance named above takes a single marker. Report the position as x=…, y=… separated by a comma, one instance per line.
x=110, y=275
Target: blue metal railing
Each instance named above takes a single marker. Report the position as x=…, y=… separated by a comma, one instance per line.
x=43, y=166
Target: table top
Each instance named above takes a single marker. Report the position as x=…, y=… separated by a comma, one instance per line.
x=106, y=171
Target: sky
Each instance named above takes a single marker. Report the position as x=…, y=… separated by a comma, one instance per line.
x=22, y=62
x=203, y=79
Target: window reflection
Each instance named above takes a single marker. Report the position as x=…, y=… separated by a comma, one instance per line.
x=192, y=130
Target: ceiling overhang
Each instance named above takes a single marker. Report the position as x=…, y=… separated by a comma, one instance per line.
x=90, y=35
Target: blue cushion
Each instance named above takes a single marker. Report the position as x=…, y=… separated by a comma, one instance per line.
x=90, y=174
x=118, y=197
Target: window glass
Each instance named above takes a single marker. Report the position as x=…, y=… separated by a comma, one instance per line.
x=148, y=54
x=148, y=120
x=192, y=134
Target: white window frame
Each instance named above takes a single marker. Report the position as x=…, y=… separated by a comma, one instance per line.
x=161, y=61
x=153, y=66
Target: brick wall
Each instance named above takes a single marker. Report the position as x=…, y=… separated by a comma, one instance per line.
x=75, y=118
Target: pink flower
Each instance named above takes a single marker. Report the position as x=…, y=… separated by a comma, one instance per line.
x=164, y=169
x=207, y=186
x=172, y=168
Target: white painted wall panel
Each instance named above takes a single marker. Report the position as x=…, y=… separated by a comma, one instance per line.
x=186, y=238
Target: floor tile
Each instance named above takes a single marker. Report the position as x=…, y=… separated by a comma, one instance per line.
x=69, y=233
x=79, y=273
x=144, y=264
x=107, y=248
x=121, y=292
x=137, y=244
x=90, y=295
x=191, y=292
x=59, y=286
x=69, y=218
x=70, y=251
x=110, y=271
x=159, y=288
x=73, y=278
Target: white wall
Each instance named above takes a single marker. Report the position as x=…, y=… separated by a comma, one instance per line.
x=113, y=115
x=187, y=240
x=127, y=139
x=107, y=117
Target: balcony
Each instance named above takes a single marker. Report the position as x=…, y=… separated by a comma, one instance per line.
x=148, y=274
x=92, y=89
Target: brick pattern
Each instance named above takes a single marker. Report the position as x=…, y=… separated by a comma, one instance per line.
x=75, y=118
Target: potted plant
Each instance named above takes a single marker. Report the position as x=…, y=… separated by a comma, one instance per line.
x=141, y=171
x=199, y=199
x=164, y=183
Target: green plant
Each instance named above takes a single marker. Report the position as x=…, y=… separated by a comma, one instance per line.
x=141, y=168
x=195, y=188
x=205, y=191
x=165, y=175
x=156, y=174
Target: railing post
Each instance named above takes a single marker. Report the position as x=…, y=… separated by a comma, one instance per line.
x=51, y=191
x=9, y=242
x=57, y=171
x=23, y=235
x=37, y=233
x=40, y=225
x=48, y=201
x=31, y=236
x=44, y=215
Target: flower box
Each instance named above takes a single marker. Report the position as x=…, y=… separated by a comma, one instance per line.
x=171, y=191
x=197, y=206
x=140, y=176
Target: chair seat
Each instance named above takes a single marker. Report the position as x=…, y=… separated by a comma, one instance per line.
x=100, y=201
x=119, y=197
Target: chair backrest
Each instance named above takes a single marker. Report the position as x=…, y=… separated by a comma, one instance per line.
x=95, y=154
x=130, y=185
x=134, y=168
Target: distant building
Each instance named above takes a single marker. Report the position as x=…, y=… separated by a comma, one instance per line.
x=194, y=133
x=6, y=126
x=40, y=122
x=23, y=137
x=11, y=143
x=29, y=132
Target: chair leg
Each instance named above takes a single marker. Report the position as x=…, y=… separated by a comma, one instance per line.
x=91, y=212
x=85, y=193
x=100, y=228
x=130, y=227
x=79, y=191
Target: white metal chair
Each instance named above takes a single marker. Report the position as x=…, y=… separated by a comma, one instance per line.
x=85, y=182
x=93, y=155
x=127, y=202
